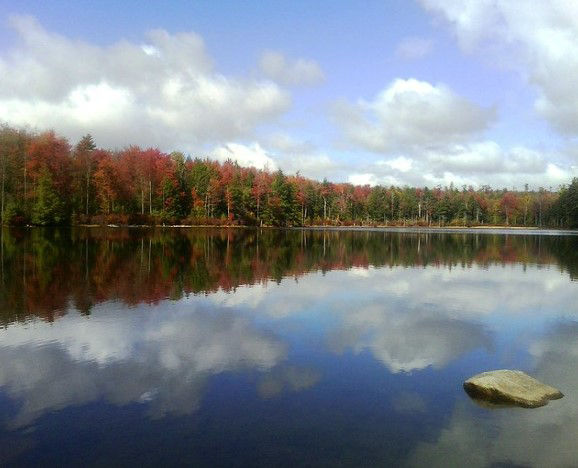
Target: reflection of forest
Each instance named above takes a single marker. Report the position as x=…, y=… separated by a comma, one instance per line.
x=43, y=272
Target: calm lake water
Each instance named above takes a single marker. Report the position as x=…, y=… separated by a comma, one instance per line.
x=281, y=348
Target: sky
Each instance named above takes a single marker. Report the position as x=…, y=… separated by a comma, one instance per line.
x=403, y=92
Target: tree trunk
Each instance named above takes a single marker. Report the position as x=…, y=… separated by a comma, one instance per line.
x=150, y=197
x=25, y=187
x=87, y=187
x=3, y=187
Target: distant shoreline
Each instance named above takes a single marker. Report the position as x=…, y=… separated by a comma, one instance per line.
x=516, y=230
x=486, y=229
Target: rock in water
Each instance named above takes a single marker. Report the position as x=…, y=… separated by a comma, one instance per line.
x=510, y=387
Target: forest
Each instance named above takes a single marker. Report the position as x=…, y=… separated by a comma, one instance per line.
x=45, y=180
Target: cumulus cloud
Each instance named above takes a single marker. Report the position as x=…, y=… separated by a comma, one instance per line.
x=316, y=165
x=400, y=163
x=539, y=41
x=285, y=143
x=487, y=157
x=245, y=155
x=412, y=48
x=299, y=72
x=475, y=163
x=411, y=112
x=164, y=92
x=362, y=179
x=427, y=135
x=294, y=155
x=280, y=152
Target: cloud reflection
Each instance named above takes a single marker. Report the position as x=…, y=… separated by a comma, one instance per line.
x=408, y=340
x=162, y=360
x=291, y=378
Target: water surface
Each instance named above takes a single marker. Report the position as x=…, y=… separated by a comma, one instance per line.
x=282, y=347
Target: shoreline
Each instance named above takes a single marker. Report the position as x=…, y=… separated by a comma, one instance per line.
x=486, y=229
x=515, y=230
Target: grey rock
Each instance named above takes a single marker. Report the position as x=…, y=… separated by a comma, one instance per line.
x=510, y=387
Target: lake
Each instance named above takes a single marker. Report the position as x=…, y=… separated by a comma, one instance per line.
x=248, y=347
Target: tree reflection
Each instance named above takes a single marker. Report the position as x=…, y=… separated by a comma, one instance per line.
x=45, y=271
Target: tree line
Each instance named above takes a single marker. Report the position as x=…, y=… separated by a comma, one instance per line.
x=44, y=180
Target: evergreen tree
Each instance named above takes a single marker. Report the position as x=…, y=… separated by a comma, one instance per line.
x=84, y=168
x=48, y=208
x=282, y=209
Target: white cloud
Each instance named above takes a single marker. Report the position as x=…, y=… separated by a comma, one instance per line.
x=293, y=155
x=487, y=157
x=251, y=155
x=362, y=179
x=164, y=92
x=281, y=152
x=400, y=163
x=431, y=136
x=411, y=112
x=477, y=163
x=299, y=72
x=539, y=40
x=412, y=48
x=315, y=165
x=287, y=144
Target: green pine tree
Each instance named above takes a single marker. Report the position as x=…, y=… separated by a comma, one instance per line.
x=48, y=208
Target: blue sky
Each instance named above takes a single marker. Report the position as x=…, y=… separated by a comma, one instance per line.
x=421, y=92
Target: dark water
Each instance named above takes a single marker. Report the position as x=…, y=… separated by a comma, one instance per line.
x=282, y=348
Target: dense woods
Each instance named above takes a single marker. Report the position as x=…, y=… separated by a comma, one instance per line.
x=45, y=272
x=44, y=180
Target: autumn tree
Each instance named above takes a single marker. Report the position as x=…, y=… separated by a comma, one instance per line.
x=48, y=165
x=509, y=203
x=261, y=188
